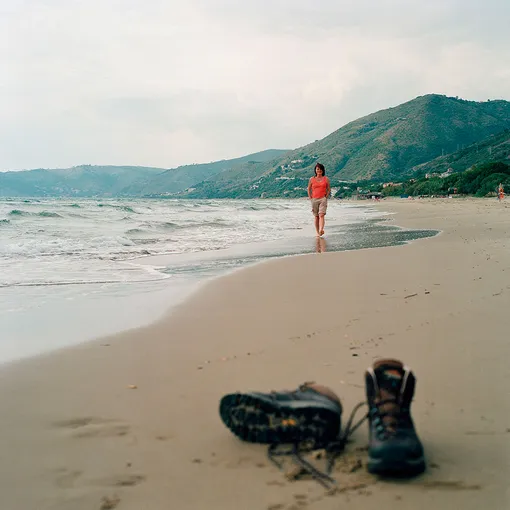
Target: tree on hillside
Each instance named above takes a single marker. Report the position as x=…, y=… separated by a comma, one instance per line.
x=480, y=181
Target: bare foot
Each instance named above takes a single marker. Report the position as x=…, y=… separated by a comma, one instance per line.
x=321, y=232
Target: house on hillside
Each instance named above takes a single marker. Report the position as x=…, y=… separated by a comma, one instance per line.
x=447, y=173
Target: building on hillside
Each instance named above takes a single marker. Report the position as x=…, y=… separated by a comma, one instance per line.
x=448, y=172
x=368, y=195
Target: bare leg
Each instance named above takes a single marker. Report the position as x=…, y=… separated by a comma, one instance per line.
x=317, y=224
x=321, y=224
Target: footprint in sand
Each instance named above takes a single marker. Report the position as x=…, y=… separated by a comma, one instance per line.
x=76, y=423
x=244, y=462
x=126, y=480
x=277, y=483
x=104, y=431
x=66, y=479
x=93, y=427
x=109, y=503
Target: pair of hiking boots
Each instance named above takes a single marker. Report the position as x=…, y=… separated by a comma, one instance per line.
x=312, y=415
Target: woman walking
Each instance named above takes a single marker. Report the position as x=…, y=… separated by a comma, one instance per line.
x=318, y=192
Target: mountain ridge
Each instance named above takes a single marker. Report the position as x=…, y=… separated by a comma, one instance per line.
x=113, y=180
x=390, y=144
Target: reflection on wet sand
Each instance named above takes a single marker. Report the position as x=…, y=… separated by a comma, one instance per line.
x=320, y=244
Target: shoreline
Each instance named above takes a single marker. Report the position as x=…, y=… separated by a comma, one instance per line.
x=133, y=417
x=164, y=295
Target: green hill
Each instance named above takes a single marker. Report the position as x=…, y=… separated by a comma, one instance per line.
x=495, y=148
x=181, y=178
x=89, y=180
x=385, y=145
x=481, y=180
x=426, y=134
x=79, y=181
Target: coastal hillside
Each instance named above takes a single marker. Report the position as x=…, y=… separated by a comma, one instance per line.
x=78, y=181
x=183, y=177
x=423, y=135
x=493, y=149
x=387, y=145
x=112, y=181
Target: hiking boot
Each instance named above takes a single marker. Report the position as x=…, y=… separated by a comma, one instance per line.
x=310, y=413
x=394, y=446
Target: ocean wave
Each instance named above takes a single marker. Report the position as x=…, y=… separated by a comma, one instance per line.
x=126, y=208
x=48, y=214
x=146, y=241
x=73, y=245
x=263, y=207
x=124, y=241
x=215, y=223
x=4, y=285
x=150, y=226
x=166, y=225
x=43, y=214
x=169, y=225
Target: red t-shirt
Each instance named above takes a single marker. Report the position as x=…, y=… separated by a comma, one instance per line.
x=319, y=188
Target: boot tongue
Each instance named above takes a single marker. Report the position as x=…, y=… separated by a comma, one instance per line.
x=390, y=375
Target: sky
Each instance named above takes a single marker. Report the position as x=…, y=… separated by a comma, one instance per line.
x=165, y=83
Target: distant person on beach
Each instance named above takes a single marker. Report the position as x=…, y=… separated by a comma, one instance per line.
x=501, y=192
x=318, y=192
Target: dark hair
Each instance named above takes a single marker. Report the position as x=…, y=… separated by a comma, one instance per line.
x=321, y=167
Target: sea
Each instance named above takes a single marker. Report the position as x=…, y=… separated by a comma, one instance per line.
x=72, y=270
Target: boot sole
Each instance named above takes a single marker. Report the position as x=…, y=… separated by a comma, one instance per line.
x=397, y=467
x=258, y=419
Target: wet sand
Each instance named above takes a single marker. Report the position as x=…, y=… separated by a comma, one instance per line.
x=131, y=421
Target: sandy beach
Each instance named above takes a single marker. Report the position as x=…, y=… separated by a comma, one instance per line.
x=131, y=421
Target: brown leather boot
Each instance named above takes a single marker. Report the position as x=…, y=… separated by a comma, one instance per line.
x=394, y=446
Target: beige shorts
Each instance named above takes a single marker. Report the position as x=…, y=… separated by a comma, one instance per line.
x=319, y=206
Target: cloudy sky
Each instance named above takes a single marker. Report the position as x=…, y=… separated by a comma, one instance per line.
x=166, y=82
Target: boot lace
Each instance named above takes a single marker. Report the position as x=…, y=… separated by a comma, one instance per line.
x=388, y=417
x=332, y=449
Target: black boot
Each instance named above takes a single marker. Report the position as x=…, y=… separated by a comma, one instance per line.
x=394, y=446
x=310, y=413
